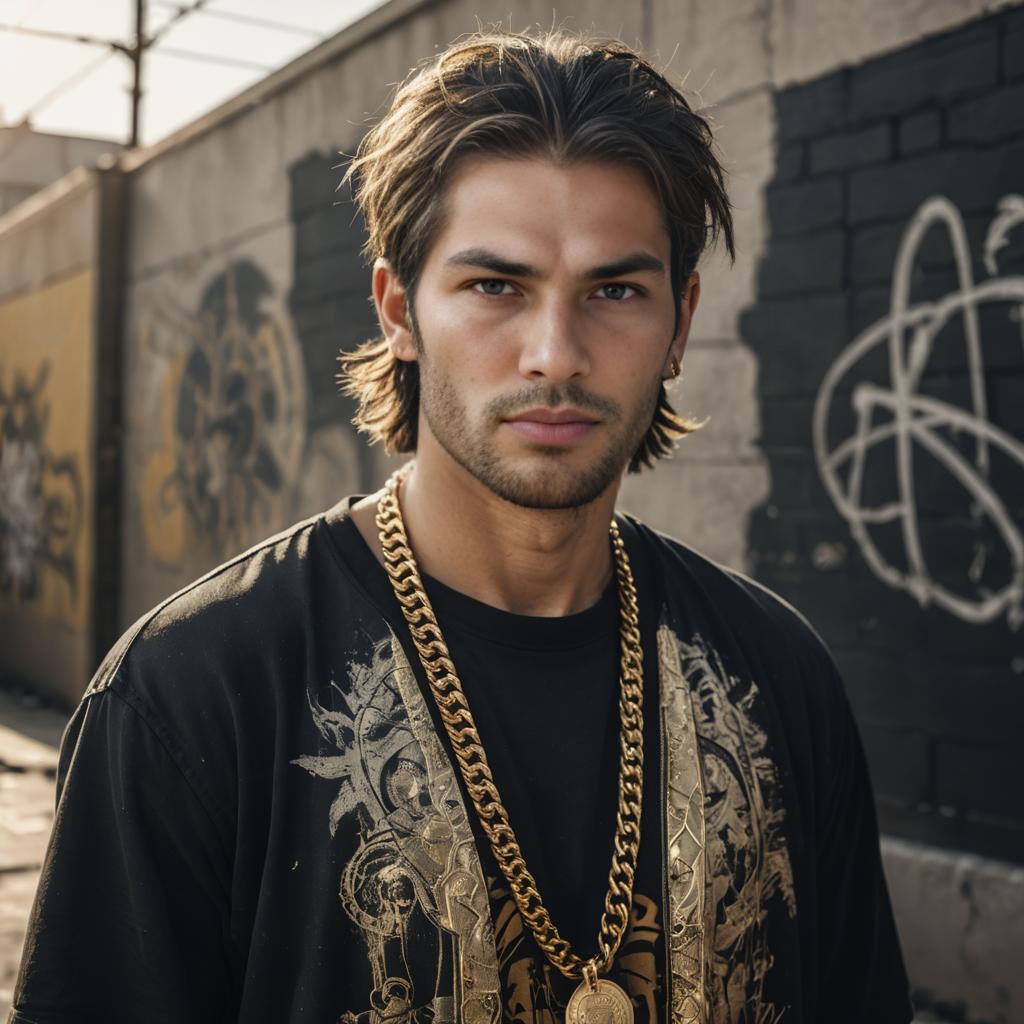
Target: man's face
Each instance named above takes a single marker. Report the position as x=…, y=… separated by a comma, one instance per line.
x=543, y=326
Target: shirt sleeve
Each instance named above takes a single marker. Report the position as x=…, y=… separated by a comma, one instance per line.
x=131, y=918
x=861, y=971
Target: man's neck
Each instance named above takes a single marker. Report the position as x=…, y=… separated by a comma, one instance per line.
x=528, y=561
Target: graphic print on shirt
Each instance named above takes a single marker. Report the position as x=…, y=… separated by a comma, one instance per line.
x=414, y=887
x=537, y=993
x=727, y=855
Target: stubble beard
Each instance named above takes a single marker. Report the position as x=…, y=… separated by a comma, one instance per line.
x=550, y=481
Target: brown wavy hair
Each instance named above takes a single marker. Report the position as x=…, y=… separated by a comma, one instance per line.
x=504, y=94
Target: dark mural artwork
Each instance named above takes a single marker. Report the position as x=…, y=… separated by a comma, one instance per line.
x=889, y=328
x=330, y=301
x=41, y=501
x=233, y=417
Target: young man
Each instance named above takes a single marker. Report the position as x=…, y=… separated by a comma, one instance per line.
x=475, y=748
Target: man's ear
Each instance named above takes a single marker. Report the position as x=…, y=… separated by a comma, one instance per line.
x=687, y=307
x=392, y=311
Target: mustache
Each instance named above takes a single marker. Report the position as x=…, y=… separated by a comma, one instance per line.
x=551, y=396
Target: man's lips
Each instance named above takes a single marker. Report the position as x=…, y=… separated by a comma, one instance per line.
x=553, y=426
x=553, y=416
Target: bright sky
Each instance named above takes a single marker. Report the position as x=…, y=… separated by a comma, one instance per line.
x=177, y=89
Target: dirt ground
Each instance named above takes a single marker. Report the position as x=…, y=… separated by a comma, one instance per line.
x=29, y=736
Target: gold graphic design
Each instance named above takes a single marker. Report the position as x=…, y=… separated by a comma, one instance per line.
x=536, y=993
x=685, y=859
x=747, y=862
x=414, y=887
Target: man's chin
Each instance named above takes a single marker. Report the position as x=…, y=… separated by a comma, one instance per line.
x=551, y=487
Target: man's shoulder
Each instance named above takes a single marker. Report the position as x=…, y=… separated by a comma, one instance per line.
x=759, y=639
x=753, y=614
x=686, y=567
x=235, y=606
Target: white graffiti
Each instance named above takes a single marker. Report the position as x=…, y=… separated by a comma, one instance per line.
x=907, y=419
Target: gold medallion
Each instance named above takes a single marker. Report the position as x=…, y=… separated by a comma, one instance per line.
x=604, y=1003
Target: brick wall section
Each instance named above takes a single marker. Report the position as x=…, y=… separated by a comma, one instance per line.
x=329, y=301
x=940, y=702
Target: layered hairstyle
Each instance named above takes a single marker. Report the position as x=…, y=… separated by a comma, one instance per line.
x=558, y=96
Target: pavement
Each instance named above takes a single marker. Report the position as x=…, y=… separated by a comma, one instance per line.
x=30, y=734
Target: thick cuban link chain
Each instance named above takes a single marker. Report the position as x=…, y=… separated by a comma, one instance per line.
x=447, y=691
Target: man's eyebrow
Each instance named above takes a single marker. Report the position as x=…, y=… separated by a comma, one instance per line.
x=487, y=260
x=631, y=264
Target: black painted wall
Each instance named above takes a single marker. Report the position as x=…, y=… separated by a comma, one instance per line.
x=330, y=301
x=933, y=655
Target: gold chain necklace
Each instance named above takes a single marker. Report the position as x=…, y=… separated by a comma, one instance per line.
x=596, y=998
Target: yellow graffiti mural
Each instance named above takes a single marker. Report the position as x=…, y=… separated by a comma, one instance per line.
x=47, y=379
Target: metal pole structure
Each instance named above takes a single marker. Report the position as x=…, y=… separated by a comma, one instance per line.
x=136, y=59
x=135, y=53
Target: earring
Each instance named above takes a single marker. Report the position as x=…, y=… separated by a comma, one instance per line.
x=674, y=369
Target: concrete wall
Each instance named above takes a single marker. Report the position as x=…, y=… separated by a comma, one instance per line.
x=962, y=922
x=47, y=441
x=268, y=164
x=30, y=159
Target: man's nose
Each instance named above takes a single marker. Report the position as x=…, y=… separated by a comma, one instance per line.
x=552, y=345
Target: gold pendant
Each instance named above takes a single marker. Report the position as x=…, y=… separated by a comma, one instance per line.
x=604, y=1003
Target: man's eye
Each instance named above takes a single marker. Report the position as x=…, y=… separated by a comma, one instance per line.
x=493, y=286
x=617, y=292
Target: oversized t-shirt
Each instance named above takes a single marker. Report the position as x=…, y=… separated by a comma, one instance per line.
x=259, y=818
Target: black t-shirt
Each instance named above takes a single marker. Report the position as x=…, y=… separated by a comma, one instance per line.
x=258, y=819
x=544, y=694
